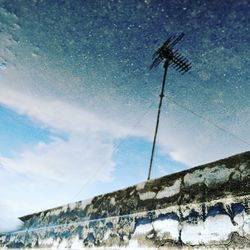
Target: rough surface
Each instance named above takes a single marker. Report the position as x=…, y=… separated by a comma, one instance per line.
x=204, y=207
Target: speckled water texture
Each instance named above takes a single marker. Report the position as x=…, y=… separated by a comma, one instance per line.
x=206, y=207
x=96, y=56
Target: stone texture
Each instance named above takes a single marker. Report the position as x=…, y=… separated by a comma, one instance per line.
x=206, y=206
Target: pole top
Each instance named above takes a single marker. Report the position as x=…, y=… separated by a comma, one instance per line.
x=171, y=57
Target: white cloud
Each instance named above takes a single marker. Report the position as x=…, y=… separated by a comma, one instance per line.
x=89, y=146
x=193, y=141
x=82, y=158
x=57, y=114
x=87, y=150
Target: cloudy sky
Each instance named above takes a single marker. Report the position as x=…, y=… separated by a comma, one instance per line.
x=78, y=103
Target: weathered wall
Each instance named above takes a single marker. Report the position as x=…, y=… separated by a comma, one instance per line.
x=207, y=206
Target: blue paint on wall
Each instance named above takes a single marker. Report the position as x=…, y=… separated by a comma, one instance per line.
x=142, y=221
x=90, y=238
x=109, y=225
x=193, y=217
x=237, y=208
x=217, y=209
x=168, y=216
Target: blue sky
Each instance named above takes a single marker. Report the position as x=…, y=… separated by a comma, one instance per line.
x=18, y=131
x=78, y=103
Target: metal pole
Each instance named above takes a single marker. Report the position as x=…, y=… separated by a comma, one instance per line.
x=166, y=64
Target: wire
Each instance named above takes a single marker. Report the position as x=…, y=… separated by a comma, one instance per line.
x=53, y=226
x=209, y=121
x=138, y=122
x=142, y=117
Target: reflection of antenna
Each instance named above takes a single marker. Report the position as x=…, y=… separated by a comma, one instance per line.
x=172, y=58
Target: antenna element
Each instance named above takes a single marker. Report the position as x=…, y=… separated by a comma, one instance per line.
x=171, y=58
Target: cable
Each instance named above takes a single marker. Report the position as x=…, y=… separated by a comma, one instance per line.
x=209, y=121
x=138, y=122
x=53, y=226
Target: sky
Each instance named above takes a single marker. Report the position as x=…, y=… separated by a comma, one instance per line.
x=78, y=102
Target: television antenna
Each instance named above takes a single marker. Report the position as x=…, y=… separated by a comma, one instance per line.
x=171, y=58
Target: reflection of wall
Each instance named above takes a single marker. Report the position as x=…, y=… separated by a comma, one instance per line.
x=206, y=206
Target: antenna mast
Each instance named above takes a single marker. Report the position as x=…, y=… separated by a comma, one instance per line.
x=171, y=58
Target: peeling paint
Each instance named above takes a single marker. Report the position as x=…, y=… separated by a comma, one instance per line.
x=214, y=230
x=143, y=229
x=147, y=195
x=210, y=176
x=207, y=206
x=169, y=228
x=170, y=191
x=140, y=186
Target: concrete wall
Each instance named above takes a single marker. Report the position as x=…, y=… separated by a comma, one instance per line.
x=204, y=207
